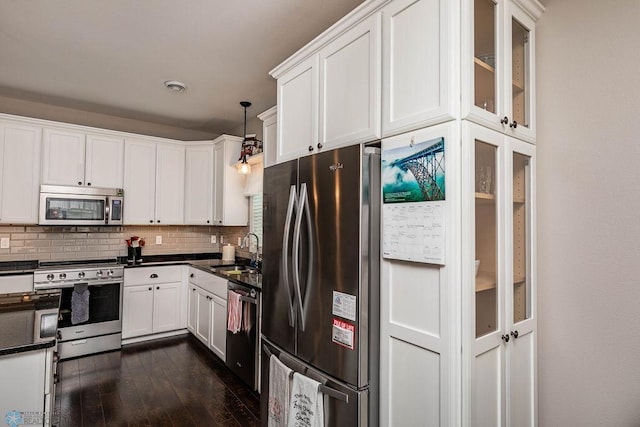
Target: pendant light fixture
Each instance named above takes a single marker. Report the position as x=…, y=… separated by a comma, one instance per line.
x=244, y=167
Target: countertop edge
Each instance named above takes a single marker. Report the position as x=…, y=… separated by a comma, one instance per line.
x=27, y=347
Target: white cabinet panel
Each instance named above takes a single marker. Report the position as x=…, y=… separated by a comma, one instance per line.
x=203, y=319
x=137, y=311
x=415, y=65
x=169, y=184
x=139, y=182
x=218, y=339
x=269, y=135
x=192, y=313
x=63, y=157
x=23, y=379
x=104, y=161
x=298, y=110
x=486, y=407
x=230, y=206
x=19, y=173
x=198, y=197
x=350, y=86
x=166, y=307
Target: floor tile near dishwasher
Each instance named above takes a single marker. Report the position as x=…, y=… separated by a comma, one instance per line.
x=169, y=382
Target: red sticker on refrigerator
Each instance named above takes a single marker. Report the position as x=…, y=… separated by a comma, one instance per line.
x=343, y=333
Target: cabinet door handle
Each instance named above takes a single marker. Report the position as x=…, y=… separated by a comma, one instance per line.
x=504, y=120
x=157, y=287
x=514, y=334
x=319, y=145
x=311, y=148
x=505, y=338
x=153, y=276
x=151, y=221
x=89, y=184
x=192, y=275
x=193, y=289
x=513, y=124
x=79, y=182
x=151, y=288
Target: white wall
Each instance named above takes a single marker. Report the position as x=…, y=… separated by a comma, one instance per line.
x=589, y=213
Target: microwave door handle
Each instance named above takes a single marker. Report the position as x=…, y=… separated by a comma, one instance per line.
x=107, y=210
x=284, y=256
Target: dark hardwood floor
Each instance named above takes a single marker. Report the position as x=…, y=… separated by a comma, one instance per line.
x=168, y=382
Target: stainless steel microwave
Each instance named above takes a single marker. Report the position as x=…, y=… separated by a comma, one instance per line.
x=62, y=205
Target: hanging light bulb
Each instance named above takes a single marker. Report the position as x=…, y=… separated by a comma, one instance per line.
x=243, y=167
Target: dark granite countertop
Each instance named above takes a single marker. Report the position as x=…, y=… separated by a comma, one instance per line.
x=17, y=317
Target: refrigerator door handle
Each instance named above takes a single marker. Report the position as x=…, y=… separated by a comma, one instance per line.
x=284, y=257
x=303, y=211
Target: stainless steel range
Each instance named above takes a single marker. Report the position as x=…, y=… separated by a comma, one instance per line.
x=90, y=319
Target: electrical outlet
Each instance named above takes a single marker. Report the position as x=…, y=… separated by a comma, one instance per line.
x=4, y=243
x=239, y=241
x=213, y=238
x=158, y=240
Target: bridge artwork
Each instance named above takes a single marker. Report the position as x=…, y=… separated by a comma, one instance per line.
x=427, y=167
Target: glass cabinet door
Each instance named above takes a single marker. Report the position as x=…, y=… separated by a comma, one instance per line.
x=521, y=262
x=520, y=74
x=485, y=17
x=486, y=229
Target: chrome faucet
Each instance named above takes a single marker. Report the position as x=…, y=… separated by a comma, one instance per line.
x=246, y=241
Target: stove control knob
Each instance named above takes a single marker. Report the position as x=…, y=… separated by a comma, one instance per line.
x=81, y=275
x=63, y=276
x=110, y=273
x=50, y=277
x=99, y=273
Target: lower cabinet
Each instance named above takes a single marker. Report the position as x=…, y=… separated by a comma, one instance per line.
x=32, y=402
x=207, y=316
x=151, y=301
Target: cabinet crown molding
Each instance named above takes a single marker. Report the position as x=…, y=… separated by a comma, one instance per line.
x=533, y=8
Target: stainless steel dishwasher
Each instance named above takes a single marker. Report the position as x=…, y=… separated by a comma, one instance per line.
x=242, y=345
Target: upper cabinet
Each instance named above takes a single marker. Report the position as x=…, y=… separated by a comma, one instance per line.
x=269, y=135
x=230, y=206
x=499, y=65
x=198, y=196
x=418, y=84
x=154, y=183
x=76, y=158
x=330, y=97
x=19, y=173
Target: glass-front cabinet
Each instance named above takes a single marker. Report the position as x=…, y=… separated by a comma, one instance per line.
x=501, y=68
x=500, y=289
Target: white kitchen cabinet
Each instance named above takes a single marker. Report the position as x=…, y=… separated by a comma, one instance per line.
x=230, y=206
x=218, y=338
x=417, y=50
x=501, y=326
x=152, y=301
x=23, y=376
x=137, y=311
x=19, y=173
x=153, y=183
x=269, y=135
x=332, y=97
x=298, y=94
x=350, y=70
x=79, y=159
x=499, y=65
x=208, y=310
x=199, y=184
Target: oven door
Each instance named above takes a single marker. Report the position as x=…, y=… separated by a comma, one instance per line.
x=104, y=312
x=72, y=209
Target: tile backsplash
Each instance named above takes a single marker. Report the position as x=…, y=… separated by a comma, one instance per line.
x=69, y=243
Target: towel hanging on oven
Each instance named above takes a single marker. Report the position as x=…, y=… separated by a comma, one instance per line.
x=80, y=304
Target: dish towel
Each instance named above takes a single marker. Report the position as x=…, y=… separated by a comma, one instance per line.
x=247, y=324
x=80, y=304
x=234, y=312
x=279, y=386
x=306, y=408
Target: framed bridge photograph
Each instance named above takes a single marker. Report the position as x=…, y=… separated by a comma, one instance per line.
x=413, y=196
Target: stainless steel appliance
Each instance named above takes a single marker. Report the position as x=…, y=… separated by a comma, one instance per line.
x=62, y=205
x=320, y=283
x=241, y=355
x=102, y=329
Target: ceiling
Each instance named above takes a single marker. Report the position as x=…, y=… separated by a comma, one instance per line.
x=104, y=63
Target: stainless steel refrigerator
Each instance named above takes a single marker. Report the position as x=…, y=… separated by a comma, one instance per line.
x=320, y=283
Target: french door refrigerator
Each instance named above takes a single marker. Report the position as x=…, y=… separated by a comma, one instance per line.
x=320, y=282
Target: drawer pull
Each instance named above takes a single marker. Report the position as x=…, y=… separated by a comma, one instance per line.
x=153, y=276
